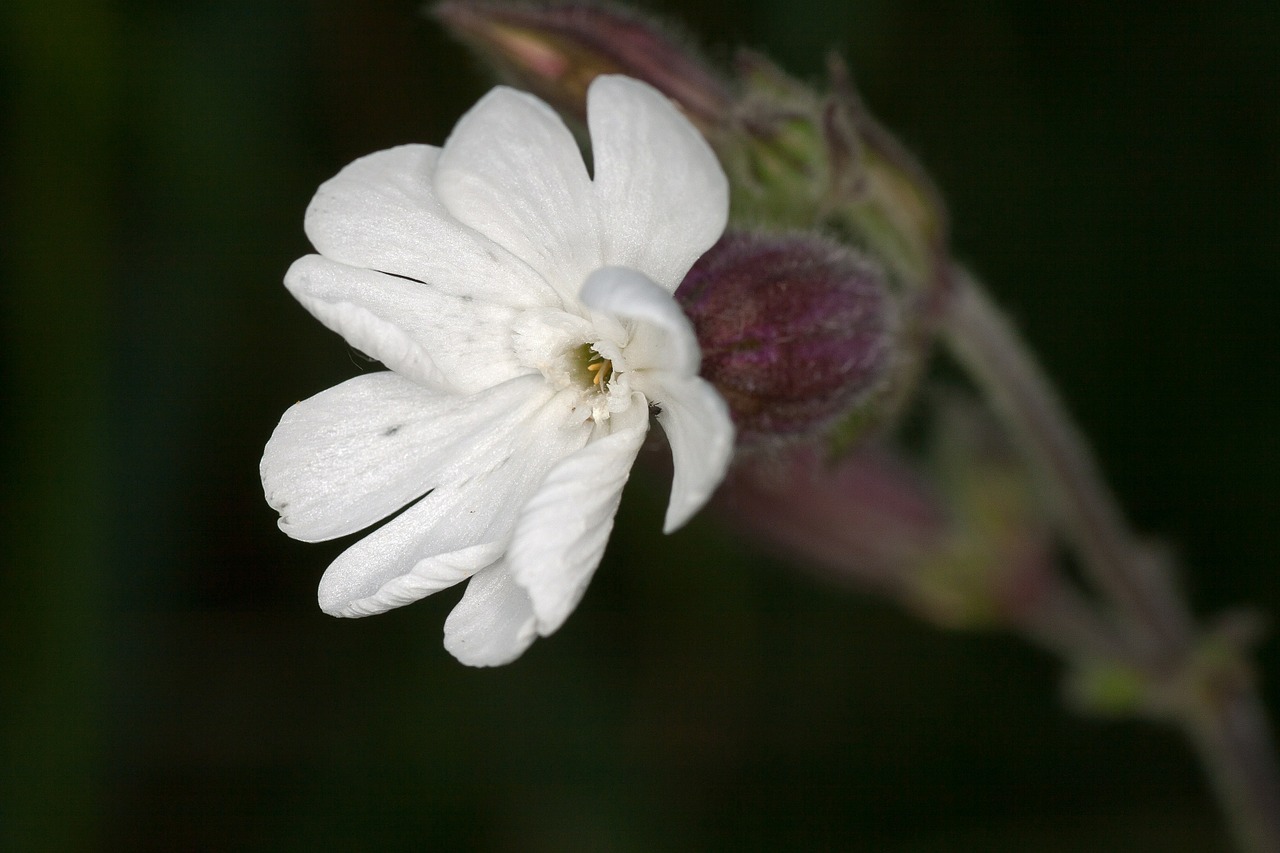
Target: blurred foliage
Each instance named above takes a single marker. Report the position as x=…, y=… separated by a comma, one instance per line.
x=167, y=680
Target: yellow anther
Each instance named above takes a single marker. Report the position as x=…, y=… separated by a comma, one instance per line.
x=601, y=371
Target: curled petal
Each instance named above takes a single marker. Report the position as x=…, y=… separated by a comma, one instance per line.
x=662, y=196
x=663, y=338
x=512, y=171
x=564, y=528
x=700, y=432
x=444, y=538
x=493, y=623
x=349, y=593
x=381, y=212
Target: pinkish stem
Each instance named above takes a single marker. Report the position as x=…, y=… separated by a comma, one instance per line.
x=1229, y=727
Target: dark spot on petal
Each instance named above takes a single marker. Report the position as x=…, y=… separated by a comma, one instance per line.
x=391, y=430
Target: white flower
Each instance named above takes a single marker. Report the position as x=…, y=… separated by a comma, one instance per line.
x=525, y=311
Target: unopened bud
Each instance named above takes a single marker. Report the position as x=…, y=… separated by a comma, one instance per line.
x=961, y=549
x=880, y=185
x=798, y=158
x=797, y=333
x=1000, y=569
x=869, y=520
x=556, y=50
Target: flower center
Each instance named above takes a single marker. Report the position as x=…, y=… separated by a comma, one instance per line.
x=591, y=370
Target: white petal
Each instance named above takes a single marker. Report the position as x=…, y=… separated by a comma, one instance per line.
x=663, y=338
x=451, y=342
x=443, y=539
x=359, y=451
x=562, y=531
x=381, y=212
x=696, y=421
x=512, y=171
x=493, y=623
x=465, y=522
x=662, y=196
x=351, y=593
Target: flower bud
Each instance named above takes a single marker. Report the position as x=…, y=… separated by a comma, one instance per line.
x=880, y=188
x=797, y=333
x=798, y=158
x=961, y=548
x=556, y=50
x=1000, y=568
x=868, y=520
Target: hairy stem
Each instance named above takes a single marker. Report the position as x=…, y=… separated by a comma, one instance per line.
x=1227, y=726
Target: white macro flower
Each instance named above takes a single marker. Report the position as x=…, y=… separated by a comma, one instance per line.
x=525, y=311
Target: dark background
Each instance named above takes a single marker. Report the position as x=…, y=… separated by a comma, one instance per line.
x=168, y=682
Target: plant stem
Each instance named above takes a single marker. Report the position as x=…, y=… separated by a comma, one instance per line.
x=1235, y=745
x=1228, y=726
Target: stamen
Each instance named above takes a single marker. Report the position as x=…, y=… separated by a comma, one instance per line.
x=601, y=371
x=591, y=368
